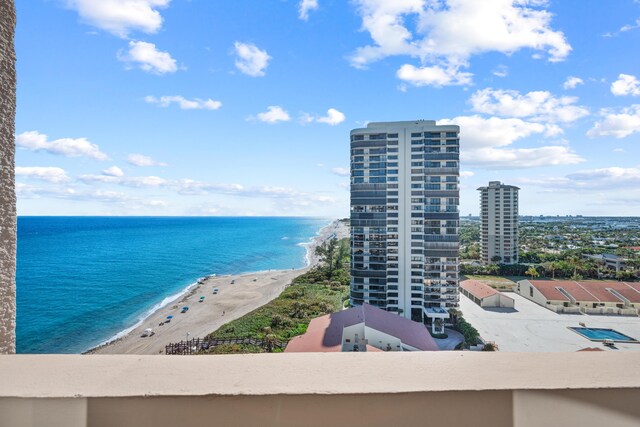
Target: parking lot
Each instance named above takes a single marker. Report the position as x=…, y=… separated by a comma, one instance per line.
x=532, y=328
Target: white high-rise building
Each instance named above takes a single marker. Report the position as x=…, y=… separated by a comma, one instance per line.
x=499, y=223
x=405, y=218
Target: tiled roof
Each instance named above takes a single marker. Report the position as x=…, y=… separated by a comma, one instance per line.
x=595, y=291
x=549, y=289
x=477, y=288
x=324, y=333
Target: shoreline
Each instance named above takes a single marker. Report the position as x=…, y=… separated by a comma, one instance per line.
x=237, y=295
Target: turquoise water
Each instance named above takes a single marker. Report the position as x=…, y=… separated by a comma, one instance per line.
x=602, y=334
x=82, y=280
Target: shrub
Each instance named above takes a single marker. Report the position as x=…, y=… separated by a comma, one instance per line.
x=471, y=335
x=489, y=347
x=324, y=307
x=440, y=336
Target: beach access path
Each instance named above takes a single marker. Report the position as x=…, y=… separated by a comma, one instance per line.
x=248, y=292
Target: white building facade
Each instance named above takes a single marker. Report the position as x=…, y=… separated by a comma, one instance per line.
x=405, y=218
x=499, y=223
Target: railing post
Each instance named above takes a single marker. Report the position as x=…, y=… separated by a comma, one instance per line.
x=8, y=222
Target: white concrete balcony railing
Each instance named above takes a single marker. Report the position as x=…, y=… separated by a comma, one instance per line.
x=467, y=389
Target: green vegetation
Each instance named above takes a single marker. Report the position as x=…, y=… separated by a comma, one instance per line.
x=555, y=248
x=532, y=272
x=489, y=347
x=469, y=240
x=320, y=291
x=471, y=334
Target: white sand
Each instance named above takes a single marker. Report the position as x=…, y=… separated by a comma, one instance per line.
x=249, y=292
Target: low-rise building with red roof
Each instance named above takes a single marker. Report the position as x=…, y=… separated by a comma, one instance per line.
x=586, y=296
x=363, y=328
x=484, y=295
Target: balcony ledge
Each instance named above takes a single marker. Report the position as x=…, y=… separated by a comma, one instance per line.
x=73, y=376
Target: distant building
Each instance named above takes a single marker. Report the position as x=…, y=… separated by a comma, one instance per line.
x=405, y=219
x=608, y=260
x=484, y=295
x=499, y=223
x=363, y=328
x=588, y=296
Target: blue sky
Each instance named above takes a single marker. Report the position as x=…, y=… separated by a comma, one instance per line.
x=244, y=107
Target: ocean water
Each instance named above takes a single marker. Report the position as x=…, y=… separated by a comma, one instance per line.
x=83, y=280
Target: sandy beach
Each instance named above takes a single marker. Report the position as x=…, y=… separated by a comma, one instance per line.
x=237, y=295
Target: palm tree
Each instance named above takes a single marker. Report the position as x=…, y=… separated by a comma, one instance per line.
x=532, y=272
x=269, y=339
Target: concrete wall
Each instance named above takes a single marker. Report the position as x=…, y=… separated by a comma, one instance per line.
x=524, y=288
x=7, y=187
x=369, y=389
x=349, y=333
x=507, y=302
x=380, y=340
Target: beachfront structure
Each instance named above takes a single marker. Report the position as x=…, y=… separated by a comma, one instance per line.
x=484, y=295
x=362, y=328
x=405, y=219
x=499, y=223
x=588, y=296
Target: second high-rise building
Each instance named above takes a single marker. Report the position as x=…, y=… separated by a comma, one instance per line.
x=499, y=223
x=405, y=218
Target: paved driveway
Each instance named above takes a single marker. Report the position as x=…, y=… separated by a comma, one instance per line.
x=532, y=328
x=453, y=339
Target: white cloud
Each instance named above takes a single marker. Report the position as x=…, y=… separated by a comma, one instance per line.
x=143, y=161
x=486, y=143
x=274, y=114
x=449, y=32
x=305, y=6
x=626, y=85
x=251, y=60
x=617, y=124
x=183, y=103
x=113, y=171
x=501, y=71
x=134, y=181
x=24, y=191
x=333, y=117
x=466, y=174
x=49, y=174
x=341, y=171
x=609, y=178
x=537, y=105
x=624, y=28
x=290, y=196
x=433, y=76
x=479, y=132
x=68, y=147
x=148, y=58
x=520, y=158
x=572, y=82
x=120, y=17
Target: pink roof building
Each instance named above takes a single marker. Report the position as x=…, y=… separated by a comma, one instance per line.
x=585, y=293
x=363, y=328
x=484, y=295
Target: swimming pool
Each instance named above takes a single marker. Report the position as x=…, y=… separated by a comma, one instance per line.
x=599, y=334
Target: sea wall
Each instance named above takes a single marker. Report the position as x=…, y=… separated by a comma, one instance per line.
x=7, y=183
